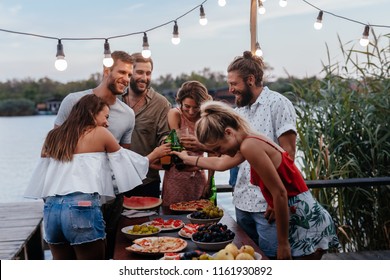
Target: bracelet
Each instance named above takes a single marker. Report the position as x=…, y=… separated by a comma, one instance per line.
x=196, y=162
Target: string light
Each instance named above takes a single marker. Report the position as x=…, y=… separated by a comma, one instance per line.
x=107, y=60
x=318, y=23
x=283, y=3
x=260, y=7
x=60, y=63
x=222, y=3
x=364, y=40
x=175, y=34
x=202, y=19
x=259, y=51
x=145, y=47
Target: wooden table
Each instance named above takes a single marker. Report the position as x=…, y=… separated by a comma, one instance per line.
x=120, y=253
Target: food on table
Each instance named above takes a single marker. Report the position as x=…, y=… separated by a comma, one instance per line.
x=192, y=205
x=233, y=249
x=213, y=233
x=223, y=254
x=247, y=249
x=191, y=255
x=164, y=244
x=143, y=229
x=141, y=202
x=231, y=252
x=188, y=230
x=209, y=212
x=169, y=224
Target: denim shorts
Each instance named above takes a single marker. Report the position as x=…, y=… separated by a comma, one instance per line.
x=73, y=219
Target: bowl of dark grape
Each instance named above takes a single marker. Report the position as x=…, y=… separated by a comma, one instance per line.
x=213, y=237
x=209, y=215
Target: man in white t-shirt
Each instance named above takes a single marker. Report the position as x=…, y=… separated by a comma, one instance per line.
x=121, y=124
x=269, y=113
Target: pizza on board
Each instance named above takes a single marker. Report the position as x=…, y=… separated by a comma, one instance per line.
x=141, y=202
x=165, y=244
x=191, y=205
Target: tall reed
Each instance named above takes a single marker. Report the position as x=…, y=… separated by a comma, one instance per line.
x=344, y=132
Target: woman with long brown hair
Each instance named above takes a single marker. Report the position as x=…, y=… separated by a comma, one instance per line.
x=75, y=173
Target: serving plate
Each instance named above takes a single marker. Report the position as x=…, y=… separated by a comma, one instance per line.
x=133, y=236
x=203, y=221
x=157, y=245
x=166, y=225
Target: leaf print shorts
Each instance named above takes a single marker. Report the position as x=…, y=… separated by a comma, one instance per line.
x=311, y=226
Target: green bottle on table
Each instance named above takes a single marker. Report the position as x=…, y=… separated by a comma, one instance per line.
x=213, y=191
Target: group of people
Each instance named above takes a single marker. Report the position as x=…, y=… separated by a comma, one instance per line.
x=107, y=142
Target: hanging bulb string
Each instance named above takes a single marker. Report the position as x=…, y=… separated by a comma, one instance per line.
x=169, y=22
x=104, y=38
x=345, y=18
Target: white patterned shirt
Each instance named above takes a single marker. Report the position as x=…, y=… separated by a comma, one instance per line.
x=272, y=114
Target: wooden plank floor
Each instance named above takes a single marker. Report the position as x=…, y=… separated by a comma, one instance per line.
x=21, y=230
x=362, y=255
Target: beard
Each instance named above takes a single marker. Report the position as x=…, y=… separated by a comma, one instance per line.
x=112, y=87
x=136, y=89
x=246, y=97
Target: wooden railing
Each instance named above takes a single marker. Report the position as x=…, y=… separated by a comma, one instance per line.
x=337, y=183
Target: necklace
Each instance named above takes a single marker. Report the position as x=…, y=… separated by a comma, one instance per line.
x=136, y=103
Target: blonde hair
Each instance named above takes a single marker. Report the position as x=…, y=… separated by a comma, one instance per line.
x=215, y=117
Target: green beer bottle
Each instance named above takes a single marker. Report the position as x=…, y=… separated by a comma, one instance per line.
x=166, y=161
x=213, y=191
x=177, y=147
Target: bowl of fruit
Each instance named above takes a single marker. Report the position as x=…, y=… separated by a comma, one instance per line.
x=213, y=237
x=138, y=231
x=209, y=215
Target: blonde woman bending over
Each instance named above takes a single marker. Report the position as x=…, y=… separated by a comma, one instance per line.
x=305, y=230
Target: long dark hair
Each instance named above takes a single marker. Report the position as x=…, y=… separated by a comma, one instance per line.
x=61, y=141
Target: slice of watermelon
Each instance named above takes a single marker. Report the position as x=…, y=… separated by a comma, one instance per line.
x=141, y=202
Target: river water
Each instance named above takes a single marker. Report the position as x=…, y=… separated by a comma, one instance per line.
x=21, y=139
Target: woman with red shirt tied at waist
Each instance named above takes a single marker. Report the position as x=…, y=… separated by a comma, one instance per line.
x=305, y=230
x=191, y=183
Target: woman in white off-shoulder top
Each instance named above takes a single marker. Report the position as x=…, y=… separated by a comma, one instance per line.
x=75, y=172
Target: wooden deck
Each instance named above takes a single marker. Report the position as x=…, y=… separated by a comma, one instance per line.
x=362, y=255
x=21, y=231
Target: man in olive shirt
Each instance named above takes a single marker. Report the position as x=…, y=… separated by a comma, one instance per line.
x=151, y=125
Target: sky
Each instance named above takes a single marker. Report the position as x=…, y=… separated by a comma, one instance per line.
x=291, y=46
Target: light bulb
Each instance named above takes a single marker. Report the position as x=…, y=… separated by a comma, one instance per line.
x=60, y=64
x=258, y=51
x=107, y=59
x=318, y=23
x=364, y=40
x=146, y=53
x=175, y=40
x=221, y=3
x=260, y=9
x=202, y=19
x=283, y=3
x=175, y=37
